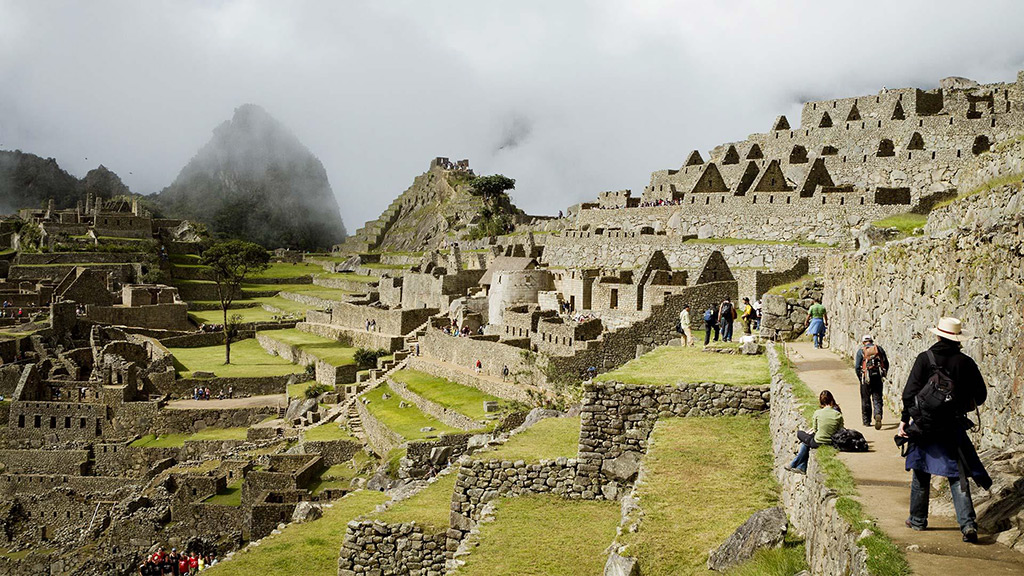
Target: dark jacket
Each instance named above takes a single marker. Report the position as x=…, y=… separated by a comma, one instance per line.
x=970, y=386
x=858, y=362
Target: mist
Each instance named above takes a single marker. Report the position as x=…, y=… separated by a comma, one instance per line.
x=568, y=98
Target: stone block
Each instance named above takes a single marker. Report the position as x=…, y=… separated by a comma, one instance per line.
x=765, y=529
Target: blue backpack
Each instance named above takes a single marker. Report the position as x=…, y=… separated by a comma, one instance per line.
x=708, y=315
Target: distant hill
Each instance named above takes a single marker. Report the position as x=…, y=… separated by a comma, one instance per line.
x=30, y=181
x=254, y=180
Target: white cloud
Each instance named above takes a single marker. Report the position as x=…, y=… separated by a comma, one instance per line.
x=598, y=94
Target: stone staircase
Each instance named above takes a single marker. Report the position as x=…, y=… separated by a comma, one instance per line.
x=369, y=237
x=352, y=420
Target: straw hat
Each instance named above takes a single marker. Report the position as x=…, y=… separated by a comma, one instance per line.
x=950, y=329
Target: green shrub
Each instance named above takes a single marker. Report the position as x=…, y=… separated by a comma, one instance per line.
x=367, y=357
x=316, y=390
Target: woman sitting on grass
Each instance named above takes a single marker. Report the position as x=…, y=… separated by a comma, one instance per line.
x=827, y=420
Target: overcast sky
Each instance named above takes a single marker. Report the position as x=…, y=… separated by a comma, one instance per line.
x=568, y=98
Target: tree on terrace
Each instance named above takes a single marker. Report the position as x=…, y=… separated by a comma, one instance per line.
x=491, y=186
x=232, y=261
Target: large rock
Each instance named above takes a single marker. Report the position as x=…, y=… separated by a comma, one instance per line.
x=306, y=512
x=765, y=529
x=624, y=467
x=621, y=566
x=298, y=408
x=538, y=414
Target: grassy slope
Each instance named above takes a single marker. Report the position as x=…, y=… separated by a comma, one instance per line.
x=462, y=399
x=406, y=422
x=310, y=549
x=671, y=365
x=530, y=536
x=248, y=359
x=327, y=432
x=174, y=440
x=429, y=507
x=330, y=351
x=546, y=440
x=695, y=496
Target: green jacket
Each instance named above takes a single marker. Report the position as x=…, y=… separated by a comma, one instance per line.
x=826, y=421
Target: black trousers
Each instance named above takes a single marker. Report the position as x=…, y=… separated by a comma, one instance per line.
x=871, y=397
x=708, y=328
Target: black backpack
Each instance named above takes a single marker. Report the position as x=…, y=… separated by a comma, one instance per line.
x=934, y=409
x=848, y=440
x=727, y=310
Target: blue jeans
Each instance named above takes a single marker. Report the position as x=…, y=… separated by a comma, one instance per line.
x=800, y=462
x=727, y=331
x=817, y=340
x=920, y=490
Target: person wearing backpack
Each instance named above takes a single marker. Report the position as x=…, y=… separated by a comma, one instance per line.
x=871, y=366
x=726, y=315
x=827, y=421
x=747, y=316
x=710, y=324
x=943, y=387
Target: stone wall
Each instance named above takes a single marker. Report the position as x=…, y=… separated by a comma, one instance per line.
x=332, y=451
x=380, y=438
x=326, y=373
x=193, y=420
x=393, y=322
x=493, y=356
x=373, y=547
x=967, y=265
x=159, y=317
x=71, y=462
x=506, y=390
x=359, y=337
x=423, y=459
x=241, y=387
x=811, y=506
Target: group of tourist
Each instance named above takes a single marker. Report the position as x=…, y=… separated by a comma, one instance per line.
x=944, y=386
x=453, y=329
x=211, y=327
x=9, y=310
x=203, y=393
x=719, y=319
x=161, y=563
x=371, y=325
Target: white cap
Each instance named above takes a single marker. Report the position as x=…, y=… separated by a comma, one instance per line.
x=867, y=337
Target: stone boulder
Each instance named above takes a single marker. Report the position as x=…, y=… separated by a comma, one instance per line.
x=306, y=512
x=765, y=529
x=621, y=566
x=751, y=348
x=538, y=414
x=957, y=83
x=298, y=408
x=624, y=467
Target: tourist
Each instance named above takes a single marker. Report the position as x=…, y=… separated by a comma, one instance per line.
x=684, y=326
x=726, y=315
x=231, y=392
x=146, y=568
x=827, y=420
x=193, y=563
x=747, y=315
x=479, y=366
x=206, y=393
x=710, y=324
x=504, y=373
x=817, y=323
x=937, y=427
x=871, y=365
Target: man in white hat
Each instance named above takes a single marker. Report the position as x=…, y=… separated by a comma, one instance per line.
x=944, y=385
x=871, y=365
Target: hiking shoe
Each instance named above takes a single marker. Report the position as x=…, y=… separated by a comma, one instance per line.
x=794, y=470
x=971, y=536
x=878, y=423
x=913, y=527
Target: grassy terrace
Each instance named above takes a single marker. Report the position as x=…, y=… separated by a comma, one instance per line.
x=789, y=290
x=546, y=440
x=248, y=359
x=348, y=276
x=695, y=497
x=406, y=422
x=327, y=350
x=310, y=548
x=462, y=399
x=230, y=496
x=178, y=440
x=672, y=364
x=544, y=534
x=340, y=476
x=328, y=432
x=430, y=507
x=905, y=223
x=253, y=313
x=299, y=390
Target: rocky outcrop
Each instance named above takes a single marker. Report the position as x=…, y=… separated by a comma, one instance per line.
x=765, y=529
x=784, y=316
x=254, y=180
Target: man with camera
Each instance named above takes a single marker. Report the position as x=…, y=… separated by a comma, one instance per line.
x=943, y=387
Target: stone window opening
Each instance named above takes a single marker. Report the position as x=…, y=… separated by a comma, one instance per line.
x=67, y=424
x=834, y=103
x=885, y=148
x=614, y=301
x=863, y=125
x=21, y=420
x=920, y=123
x=823, y=199
x=707, y=201
x=842, y=200
x=950, y=120
x=788, y=199
x=81, y=422
x=933, y=155
x=755, y=199
x=993, y=121
x=861, y=200
x=38, y=421
x=814, y=106
x=879, y=123
x=865, y=158
x=957, y=153
x=981, y=144
x=771, y=199
x=723, y=199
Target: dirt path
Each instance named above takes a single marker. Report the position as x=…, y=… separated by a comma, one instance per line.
x=884, y=483
x=250, y=402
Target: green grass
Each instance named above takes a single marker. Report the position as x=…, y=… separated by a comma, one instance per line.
x=331, y=351
x=695, y=497
x=309, y=548
x=248, y=359
x=430, y=507
x=548, y=439
x=668, y=365
x=340, y=476
x=544, y=534
x=327, y=432
x=288, y=270
x=788, y=560
x=379, y=266
x=23, y=553
x=177, y=440
x=335, y=294
x=884, y=557
x=230, y=496
x=906, y=223
x=406, y=422
x=790, y=288
x=299, y=390
x=348, y=276
x=462, y=399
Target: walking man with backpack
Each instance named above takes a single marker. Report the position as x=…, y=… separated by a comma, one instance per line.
x=871, y=366
x=710, y=323
x=726, y=314
x=943, y=387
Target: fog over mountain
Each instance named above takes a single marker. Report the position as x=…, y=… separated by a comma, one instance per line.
x=254, y=180
x=569, y=98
